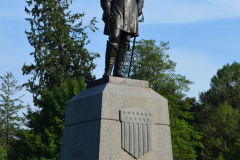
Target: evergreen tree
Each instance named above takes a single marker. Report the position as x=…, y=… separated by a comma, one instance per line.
x=224, y=86
x=62, y=67
x=59, y=40
x=232, y=153
x=151, y=63
x=9, y=108
x=218, y=112
x=3, y=154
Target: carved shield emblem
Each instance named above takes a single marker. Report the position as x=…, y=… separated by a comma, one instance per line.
x=136, y=131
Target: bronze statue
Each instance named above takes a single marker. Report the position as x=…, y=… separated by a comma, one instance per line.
x=121, y=23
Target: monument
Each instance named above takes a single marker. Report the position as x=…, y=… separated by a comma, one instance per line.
x=117, y=118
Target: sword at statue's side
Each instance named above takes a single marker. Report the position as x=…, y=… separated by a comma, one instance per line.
x=142, y=20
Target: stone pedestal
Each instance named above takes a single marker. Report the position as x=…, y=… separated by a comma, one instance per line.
x=117, y=119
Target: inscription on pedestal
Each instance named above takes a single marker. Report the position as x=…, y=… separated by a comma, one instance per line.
x=136, y=131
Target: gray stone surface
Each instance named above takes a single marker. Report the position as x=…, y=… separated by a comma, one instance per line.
x=117, y=80
x=105, y=101
x=81, y=141
x=93, y=128
x=95, y=141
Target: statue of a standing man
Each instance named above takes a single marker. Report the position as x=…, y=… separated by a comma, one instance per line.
x=121, y=23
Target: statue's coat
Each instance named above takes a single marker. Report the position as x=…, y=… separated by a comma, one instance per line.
x=125, y=13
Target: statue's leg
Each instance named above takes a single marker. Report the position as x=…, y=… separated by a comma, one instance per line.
x=111, y=51
x=123, y=48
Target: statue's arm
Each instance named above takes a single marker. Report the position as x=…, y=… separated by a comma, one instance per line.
x=106, y=5
x=140, y=4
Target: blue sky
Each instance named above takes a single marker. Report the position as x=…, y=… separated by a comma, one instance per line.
x=204, y=35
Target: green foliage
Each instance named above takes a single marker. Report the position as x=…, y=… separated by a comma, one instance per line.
x=218, y=114
x=225, y=86
x=43, y=140
x=184, y=139
x=151, y=63
x=221, y=130
x=3, y=154
x=232, y=153
x=59, y=40
x=10, y=122
x=62, y=67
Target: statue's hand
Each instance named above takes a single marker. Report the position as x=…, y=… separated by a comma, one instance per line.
x=106, y=15
x=139, y=12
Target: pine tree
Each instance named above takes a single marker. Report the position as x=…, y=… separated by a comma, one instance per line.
x=222, y=130
x=62, y=67
x=9, y=108
x=59, y=40
x=3, y=154
x=152, y=63
x=224, y=86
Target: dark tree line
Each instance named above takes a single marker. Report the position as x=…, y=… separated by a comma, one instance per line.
x=217, y=114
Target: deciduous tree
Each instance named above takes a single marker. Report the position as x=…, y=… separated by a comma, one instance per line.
x=152, y=63
x=221, y=130
x=43, y=138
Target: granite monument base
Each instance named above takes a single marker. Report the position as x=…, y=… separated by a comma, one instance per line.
x=117, y=119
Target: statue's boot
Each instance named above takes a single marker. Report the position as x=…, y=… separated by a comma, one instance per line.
x=119, y=61
x=111, y=52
